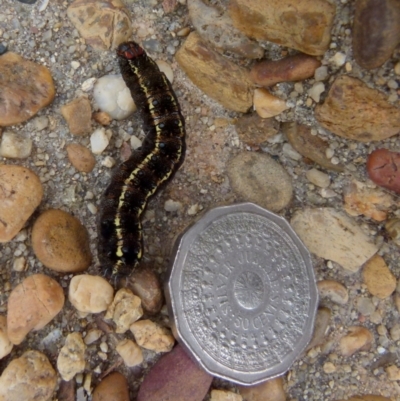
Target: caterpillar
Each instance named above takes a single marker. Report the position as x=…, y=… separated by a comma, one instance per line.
x=137, y=179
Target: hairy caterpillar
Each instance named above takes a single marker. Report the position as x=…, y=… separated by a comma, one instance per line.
x=137, y=179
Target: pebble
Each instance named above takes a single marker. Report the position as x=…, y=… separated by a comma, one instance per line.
x=392, y=227
x=333, y=290
x=147, y=286
x=203, y=66
x=113, y=387
x=271, y=390
x=99, y=141
x=383, y=168
x=166, y=69
x=339, y=59
x=267, y=105
x=393, y=372
x=304, y=26
x=321, y=73
x=360, y=199
x=308, y=145
x=5, y=344
x=254, y=130
x=71, y=359
x=40, y=123
x=224, y=395
x=176, y=377
x=397, y=68
x=108, y=162
x=81, y=157
x=113, y=97
x=329, y=367
x=61, y=242
x=27, y=87
x=124, y=310
x=102, y=118
x=90, y=294
x=15, y=146
x=378, y=278
x=395, y=332
x=152, y=336
x=3, y=49
x=103, y=25
x=31, y=305
x=289, y=69
x=21, y=194
x=135, y=142
x=130, y=352
x=358, y=339
x=291, y=153
x=321, y=324
x=257, y=178
x=88, y=85
x=316, y=90
x=66, y=391
x=29, y=378
x=375, y=120
x=318, y=178
x=368, y=398
x=78, y=115
x=92, y=336
x=365, y=306
x=172, y=206
x=217, y=29
x=376, y=31
x=334, y=236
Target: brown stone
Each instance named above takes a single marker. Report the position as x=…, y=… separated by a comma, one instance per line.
x=102, y=118
x=20, y=194
x=175, y=377
x=358, y=339
x=113, y=387
x=103, y=24
x=254, y=130
x=31, y=305
x=333, y=290
x=304, y=25
x=365, y=114
x=271, y=390
x=376, y=31
x=81, y=157
x=66, y=391
x=267, y=105
x=308, y=145
x=321, y=324
x=378, y=278
x=78, y=115
x=61, y=242
x=383, y=168
x=215, y=75
x=292, y=68
x=392, y=227
x=25, y=88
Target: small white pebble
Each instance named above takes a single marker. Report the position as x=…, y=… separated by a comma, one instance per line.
x=348, y=67
x=172, y=206
x=75, y=64
x=166, y=69
x=104, y=346
x=335, y=160
x=397, y=68
x=99, y=141
x=108, y=162
x=321, y=73
x=135, y=142
x=88, y=84
x=316, y=90
x=19, y=264
x=318, y=178
x=92, y=208
x=339, y=59
x=194, y=209
x=288, y=151
x=329, y=153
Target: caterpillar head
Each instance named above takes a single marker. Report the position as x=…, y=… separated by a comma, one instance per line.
x=129, y=50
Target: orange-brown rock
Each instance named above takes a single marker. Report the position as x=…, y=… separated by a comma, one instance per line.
x=20, y=194
x=103, y=24
x=113, y=387
x=292, y=68
x=267, y=105
x=78, y=115
x=302, y=25
x=61, y=242
x=215, y=75
x=358, y=339
x=271, y=390
x=365, y=114
x=25, y=88
x=31, y=305
x=81, y=157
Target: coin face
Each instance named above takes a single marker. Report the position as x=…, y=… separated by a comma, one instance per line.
x=242, y=293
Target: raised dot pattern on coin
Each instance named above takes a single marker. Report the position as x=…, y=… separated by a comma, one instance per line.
x=247, y=296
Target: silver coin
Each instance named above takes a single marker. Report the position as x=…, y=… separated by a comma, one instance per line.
x=242, y=294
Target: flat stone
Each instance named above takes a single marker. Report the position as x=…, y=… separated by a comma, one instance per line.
x=217, y=76
x=378, y=278
x=308, y=145
x=376, y=31
x=175, y=377
x=113, y=387
x=29, y=377
x=15, y=146
x=358, y=339
x=375, y=120
x=370, y=202
x=267, y=105
x=130, y=352
x=320, y=326
x=81, y=157
x=21, y=193
x=257, y=178
x=5, y=344
x=99, y=141
x=271, y=390
x=71, y=359
x=333, y=290
x=217, y=29
x=78, y=115
x=32, y=305
x=25, y=88
x=305, y=25
x=90, y=294
x=224, y=395
x=318, y=178
x=103, y=24
x=61, y=242
x=334, y=236
x=288, y=69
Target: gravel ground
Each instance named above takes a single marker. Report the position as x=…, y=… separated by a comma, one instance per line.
x=48, y=38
